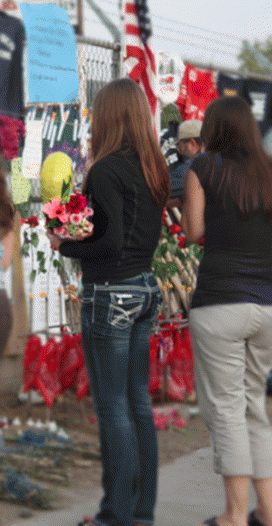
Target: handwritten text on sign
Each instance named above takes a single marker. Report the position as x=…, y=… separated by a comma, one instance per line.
x=51, y=54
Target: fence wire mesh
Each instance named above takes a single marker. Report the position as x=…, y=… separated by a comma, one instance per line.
x=98, y=64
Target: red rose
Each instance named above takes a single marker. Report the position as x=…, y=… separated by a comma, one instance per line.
x=33, y=221
x=76, y=204
x=175, y=229
x=23, y=221
x=201, y=241
x=181, y=241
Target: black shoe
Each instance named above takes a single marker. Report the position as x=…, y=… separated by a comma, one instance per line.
x=253, y=521
x=211, y=522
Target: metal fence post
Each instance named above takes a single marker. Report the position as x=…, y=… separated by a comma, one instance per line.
x=115, y=66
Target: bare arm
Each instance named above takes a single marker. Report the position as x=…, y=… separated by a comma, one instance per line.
x=192, y=222
x=8, y=243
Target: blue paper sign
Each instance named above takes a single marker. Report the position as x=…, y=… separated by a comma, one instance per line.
x=51, y=54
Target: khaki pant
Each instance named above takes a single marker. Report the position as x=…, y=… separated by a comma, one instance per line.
x=233, y=357
x=5, y=320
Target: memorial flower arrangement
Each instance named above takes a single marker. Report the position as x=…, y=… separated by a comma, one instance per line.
x=175, y=264
x=69, y=217
x=10, y=131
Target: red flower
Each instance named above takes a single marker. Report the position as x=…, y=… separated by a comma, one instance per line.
x=76, y=204
x=175, y=229
x=201, y=241
x=33, y=221
x=23, y=221
x=181, y=241
x=10, y=129
x=164, y=215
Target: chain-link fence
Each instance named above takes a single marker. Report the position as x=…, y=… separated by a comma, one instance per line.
x=98, y=64
x=101, y=64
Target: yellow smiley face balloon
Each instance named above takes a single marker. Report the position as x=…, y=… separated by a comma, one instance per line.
x=56, y=169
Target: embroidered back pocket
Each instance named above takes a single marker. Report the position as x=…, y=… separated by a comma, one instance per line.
x=124, y=308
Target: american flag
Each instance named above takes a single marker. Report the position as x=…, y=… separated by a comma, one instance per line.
x=139, y=59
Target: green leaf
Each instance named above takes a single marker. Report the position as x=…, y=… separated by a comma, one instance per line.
x=56, y=263
x=66, y=191
x=25, y=249
x=181, y=256
x=53, y=223
x=164, y=273
x=163, y=249
x=164, y=231
x=33, y=275
x=34, y=239
x=40, y=255
x=173, y=248
x=172, y=268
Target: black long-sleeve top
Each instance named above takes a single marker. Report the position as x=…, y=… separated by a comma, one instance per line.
x=12, y=36
x=127, y=223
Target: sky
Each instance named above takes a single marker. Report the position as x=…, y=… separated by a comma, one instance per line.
x=209, y=32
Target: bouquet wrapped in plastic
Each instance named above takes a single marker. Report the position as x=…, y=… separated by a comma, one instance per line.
x=70, y=216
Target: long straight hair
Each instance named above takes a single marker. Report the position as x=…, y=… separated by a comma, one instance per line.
x=122, y=121
x=230, y=129
x=7, y=210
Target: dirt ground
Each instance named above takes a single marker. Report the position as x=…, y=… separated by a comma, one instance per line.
x=82, y=466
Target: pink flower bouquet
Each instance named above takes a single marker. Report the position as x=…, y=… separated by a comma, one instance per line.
x=69, y=217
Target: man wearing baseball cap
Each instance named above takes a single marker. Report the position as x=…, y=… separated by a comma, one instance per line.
x=189, y=144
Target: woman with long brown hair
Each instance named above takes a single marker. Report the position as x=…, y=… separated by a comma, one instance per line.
x=128, y=184
x=7, y=213
x=229, y=201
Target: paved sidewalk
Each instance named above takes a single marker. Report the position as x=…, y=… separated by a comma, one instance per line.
x=189, y=492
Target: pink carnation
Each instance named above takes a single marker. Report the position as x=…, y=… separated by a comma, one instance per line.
x=62, y=232
x=89, y=229
x=76, y=219
x=88, y=212
x=76, y=204
x=80, y=234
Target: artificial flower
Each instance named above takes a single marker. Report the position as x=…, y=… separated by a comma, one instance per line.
x=164, y=215
x=10, y=130
x=76, y=204
x=32, y=221
x=181, y=241
x=61, y=231
x=88, y=212
x=88, y=228
x=76, y=219
x=55, y=210
x=80, y=234
x=175, y=229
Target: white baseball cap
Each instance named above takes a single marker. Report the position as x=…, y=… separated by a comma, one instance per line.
x=189, y=129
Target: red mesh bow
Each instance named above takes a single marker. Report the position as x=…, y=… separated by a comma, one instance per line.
x=48, y=377
x=31, y=363
x=82, y=384
x=70, y=360
x=155, y=369
x=182, y=365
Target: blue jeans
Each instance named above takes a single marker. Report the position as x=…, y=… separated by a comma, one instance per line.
x=116, y=323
